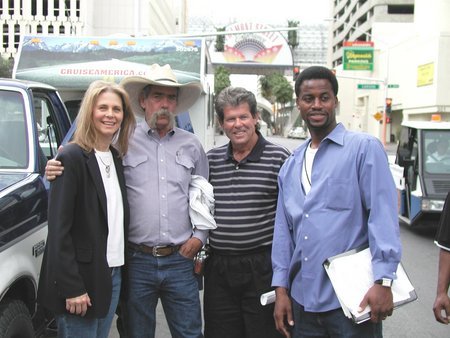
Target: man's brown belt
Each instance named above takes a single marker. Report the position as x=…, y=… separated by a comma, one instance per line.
x=156, y=251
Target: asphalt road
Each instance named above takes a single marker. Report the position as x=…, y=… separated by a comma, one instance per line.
x=420, y=260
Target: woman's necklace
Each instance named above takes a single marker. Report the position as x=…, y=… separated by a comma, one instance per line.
x=107, y=166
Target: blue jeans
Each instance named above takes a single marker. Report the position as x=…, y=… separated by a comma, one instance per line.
x=170, y=279
x=74, y=326
x=330, y=324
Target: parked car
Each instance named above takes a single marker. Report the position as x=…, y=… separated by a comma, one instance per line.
x=297, y=132
x=33, y=122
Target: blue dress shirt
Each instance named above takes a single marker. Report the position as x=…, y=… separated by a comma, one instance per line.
x=352, y=202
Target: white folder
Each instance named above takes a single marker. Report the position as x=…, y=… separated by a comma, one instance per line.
x=351, y=276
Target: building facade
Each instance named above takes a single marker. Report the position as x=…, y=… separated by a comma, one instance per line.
x=354, y=19
x=410, y=64
x=312, y=45
x=88, y=17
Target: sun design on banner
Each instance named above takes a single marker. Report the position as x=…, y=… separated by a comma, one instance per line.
x=251, y=50
x=261, y=47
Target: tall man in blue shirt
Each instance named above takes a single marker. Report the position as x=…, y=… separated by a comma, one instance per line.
x=336, y=193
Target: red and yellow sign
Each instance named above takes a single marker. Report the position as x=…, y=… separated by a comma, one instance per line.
x=255, y=47
x=358, y=55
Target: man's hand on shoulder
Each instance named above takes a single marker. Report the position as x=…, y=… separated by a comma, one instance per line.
x=53, y=168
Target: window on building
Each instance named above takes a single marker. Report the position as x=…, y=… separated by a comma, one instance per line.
x=45, y=8
x=400, y=9
x=16, y=35
x=78, y=9
x=10, y=6
x=55, y=8
x=33, y=7
x=5, y=35
x=362, y=19
x=362, y=2
x=67, y=8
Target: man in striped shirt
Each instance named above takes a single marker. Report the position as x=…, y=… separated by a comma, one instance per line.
x=244, y=176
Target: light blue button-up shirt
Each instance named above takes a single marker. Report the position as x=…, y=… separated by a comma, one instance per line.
x=157, y=173
x=352, y=202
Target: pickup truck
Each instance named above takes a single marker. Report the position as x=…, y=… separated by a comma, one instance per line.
x=33, y=123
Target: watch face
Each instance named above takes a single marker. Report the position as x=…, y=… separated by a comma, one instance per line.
x=386, y=282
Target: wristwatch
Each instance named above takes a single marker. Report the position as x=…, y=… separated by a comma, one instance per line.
x=387, y=282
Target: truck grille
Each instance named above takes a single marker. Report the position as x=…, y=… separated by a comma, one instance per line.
x=441, y=187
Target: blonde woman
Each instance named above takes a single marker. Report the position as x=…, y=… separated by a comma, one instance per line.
x=88, y=217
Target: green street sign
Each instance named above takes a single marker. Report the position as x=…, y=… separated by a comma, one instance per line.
x=358, y=58
x=393, y=86
x=369, y=86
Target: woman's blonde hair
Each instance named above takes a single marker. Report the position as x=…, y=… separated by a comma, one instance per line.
x=86, y=135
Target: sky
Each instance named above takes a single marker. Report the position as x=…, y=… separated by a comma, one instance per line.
x=223, y=12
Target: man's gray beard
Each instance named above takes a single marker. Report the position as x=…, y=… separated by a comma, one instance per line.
x=161, y=113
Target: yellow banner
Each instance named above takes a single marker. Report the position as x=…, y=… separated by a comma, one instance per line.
x=425, y=74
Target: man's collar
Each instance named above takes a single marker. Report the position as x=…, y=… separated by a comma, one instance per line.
x=337, y=134
x=255, y=153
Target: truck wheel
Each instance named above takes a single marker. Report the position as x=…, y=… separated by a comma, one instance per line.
x=15, y=320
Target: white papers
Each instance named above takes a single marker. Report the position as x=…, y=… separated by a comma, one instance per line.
x=351, y=276
x=267, y=298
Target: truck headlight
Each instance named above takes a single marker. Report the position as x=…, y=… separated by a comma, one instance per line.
x=432, y=205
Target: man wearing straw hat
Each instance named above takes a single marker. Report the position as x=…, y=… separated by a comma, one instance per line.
x=158, y=169
x=162, y=242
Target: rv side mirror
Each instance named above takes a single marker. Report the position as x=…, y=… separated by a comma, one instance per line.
x=404, y=161
x=403, y=158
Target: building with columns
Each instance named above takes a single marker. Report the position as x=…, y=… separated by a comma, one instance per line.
x=88, y=17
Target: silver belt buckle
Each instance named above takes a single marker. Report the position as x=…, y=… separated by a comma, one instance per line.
x=155, y=251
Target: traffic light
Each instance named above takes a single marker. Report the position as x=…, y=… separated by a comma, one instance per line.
x=296, y=72
x=388, y=106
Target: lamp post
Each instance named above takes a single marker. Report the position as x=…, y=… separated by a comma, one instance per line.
x=386, y=86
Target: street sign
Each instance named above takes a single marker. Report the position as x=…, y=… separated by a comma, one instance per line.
x=358, y=55
x=378, y=116
x=369, y=86
x=358, y=58
x=393, y=86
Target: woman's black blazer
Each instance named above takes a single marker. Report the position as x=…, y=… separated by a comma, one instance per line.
x=75, y=261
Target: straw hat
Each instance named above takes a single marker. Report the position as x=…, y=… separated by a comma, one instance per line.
x=158, y=75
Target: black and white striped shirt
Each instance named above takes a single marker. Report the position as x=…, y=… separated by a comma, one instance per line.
x=245, y=196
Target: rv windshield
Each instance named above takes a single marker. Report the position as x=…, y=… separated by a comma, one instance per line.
x=437, y=151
